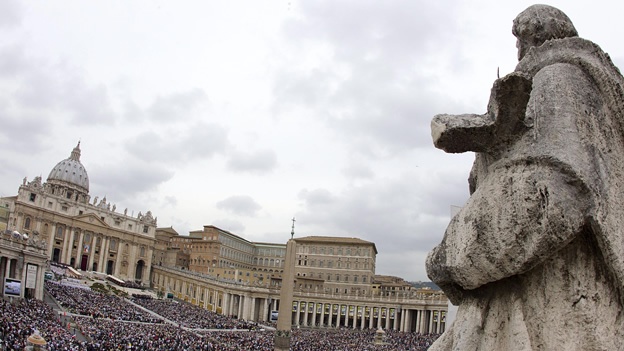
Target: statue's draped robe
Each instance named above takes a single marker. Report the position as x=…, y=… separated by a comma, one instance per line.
x=535, y=257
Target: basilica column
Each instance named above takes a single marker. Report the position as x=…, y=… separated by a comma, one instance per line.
x=79, y=251
x=132, y=262
x=51, y=238
x=65, y=244
x=322, y=322
x=118, y=261
x=103, y=254
x=68, y=244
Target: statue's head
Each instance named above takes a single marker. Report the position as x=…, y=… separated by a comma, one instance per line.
x=540, y=23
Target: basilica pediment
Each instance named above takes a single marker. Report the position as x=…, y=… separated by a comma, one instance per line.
x=91, y=218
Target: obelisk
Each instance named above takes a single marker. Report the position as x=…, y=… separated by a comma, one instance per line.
x=284, y=319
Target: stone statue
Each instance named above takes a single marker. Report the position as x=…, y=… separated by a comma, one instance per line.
x=535, y=259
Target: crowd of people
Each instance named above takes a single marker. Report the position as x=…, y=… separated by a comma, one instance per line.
x=91, y=303
x=22, y=318
x=191, y=316
x=98, y=321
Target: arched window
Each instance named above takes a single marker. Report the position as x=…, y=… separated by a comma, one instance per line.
x=27, y=223
x=59, y=232
x=142, y=251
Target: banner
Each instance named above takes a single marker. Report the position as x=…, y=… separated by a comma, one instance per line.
x=31, y=276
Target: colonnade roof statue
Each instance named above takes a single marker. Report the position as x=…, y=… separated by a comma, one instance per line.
x=535, y=259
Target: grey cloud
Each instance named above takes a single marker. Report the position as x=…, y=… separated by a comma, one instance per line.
x=358, y=171
x=316, y=197
x=56, y=89
x=10, y=13
x=23, y=131
x=193, y=142
x=177, y=106
x=261, y=161
x=242, y=205
x=123, y=180
x=374, y=86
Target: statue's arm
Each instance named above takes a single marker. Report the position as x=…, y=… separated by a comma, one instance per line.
x=512, y=222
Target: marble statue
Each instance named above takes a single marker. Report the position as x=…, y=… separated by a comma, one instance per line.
x=535, y=258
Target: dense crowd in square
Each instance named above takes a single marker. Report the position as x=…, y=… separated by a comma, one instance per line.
x=92, y=321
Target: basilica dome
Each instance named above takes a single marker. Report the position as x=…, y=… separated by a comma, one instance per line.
x=71, y=173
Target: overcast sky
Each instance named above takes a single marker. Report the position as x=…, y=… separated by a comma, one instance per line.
x=245, y=114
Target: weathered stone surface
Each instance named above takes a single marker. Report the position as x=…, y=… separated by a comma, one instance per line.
x=535, y=259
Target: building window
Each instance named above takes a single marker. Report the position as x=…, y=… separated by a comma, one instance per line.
x=33, y=196
x=27, y=223
x=113, y=245
x=145, y=229
x=64, y=208
x=129, y=226
x=117, y=223
x=80, y=212
x=49, y=204
x=142, y=251
x=59, y=232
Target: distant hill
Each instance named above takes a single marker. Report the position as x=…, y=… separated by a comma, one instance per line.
x=425, y=285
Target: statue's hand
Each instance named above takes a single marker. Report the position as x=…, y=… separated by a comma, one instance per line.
x=439, y=272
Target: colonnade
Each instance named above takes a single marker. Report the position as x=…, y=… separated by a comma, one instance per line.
x=257, y=303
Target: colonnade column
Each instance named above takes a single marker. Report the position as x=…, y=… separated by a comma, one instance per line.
x=378, y=317
x=430, y=322
x=305, y=314
x=370, y=316
x=239, y=314
x=314, y=309
x=439, y=322
x=265, y=310
x=225, y=306
x=253, y=310
x=363, y=317
x=322, y=322
x=395, y=324
x=215, y=301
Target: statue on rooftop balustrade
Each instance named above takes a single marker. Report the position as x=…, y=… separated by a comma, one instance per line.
x=535, y=259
